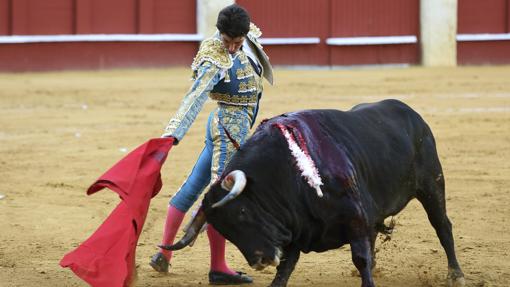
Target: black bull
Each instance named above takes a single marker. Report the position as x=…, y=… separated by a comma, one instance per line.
x=372, y=161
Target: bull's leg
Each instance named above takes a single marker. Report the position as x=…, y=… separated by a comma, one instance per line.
x=362, y=258
x=433, y=200
x=373, y=238
x=290, y=258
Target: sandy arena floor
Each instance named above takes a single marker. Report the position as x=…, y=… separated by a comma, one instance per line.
x=60, y=131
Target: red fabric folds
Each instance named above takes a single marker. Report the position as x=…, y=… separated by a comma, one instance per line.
x=107, y=257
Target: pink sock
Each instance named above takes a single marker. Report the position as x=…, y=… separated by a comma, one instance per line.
x=217, y=245
x=173, y=221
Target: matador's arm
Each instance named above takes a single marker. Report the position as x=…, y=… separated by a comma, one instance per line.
x=207, y=76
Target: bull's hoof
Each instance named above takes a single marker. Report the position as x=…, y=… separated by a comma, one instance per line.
x=459, y=282
x=455, y=278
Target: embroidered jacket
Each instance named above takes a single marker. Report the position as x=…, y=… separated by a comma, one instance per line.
x=231, y=80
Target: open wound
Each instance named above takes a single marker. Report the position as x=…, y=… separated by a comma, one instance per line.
x=304, y=161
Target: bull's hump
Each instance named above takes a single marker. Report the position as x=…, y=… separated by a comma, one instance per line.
x=307, y=114
x=330, y=155
x=305, y=118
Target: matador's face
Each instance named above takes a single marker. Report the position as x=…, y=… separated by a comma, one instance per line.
x=232, y=44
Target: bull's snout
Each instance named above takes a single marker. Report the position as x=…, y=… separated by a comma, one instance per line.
x=263, y=261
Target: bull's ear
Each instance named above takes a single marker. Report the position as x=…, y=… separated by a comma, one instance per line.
x=234, y=182
x=228, y=182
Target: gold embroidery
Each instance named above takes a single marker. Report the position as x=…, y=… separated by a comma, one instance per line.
x=240, y=73
x=243, y=58
x=231, y=109
x=212, y=50
x=258, y=80
x=216, y=138
x=234, y=99
x=248, y=86
x=238, y=128
x=243, y=73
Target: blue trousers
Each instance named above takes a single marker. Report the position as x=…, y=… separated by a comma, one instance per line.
x=217, y=152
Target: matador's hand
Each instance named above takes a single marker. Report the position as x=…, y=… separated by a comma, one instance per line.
x=170, y=136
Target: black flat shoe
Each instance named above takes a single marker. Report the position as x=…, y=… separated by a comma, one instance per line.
x=159, y=263
x=220, y=278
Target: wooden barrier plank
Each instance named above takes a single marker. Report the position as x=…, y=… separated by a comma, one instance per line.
x=293, y=19
x=50, y=17
x=482, y=16
x=176, y=16
x=146, y=16
x=83, y=17
x=19, y=17
x=374, y=18
x=114, y=17
x=5, y=17
x=508, y=16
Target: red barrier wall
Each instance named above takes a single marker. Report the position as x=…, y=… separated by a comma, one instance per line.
x=162, y=16
x=68, y=17
x=320, y=19
x=476, y=16
x=5, y=17
x=292, y=18
x=32, y=17
x=375, y=18
x=337, y=18
x=483, y=17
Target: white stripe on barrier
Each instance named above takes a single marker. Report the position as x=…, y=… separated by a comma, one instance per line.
x=483, y=37
x=375, y=40
x=289, y=41
x=101, y=38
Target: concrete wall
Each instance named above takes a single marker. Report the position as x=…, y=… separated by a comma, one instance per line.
x=438, y=21
x=207, y=14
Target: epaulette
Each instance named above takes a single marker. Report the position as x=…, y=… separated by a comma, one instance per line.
x=253, y=34
x=254, y=31
x=212, y=50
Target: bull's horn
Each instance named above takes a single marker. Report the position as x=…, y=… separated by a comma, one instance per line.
x=191, y=233
x=235, y=183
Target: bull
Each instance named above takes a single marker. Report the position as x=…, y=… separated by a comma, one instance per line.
x=315, y=180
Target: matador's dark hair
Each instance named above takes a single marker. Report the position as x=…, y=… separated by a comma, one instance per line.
x=234, y=21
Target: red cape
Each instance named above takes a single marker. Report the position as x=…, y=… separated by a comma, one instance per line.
x=107, y=257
